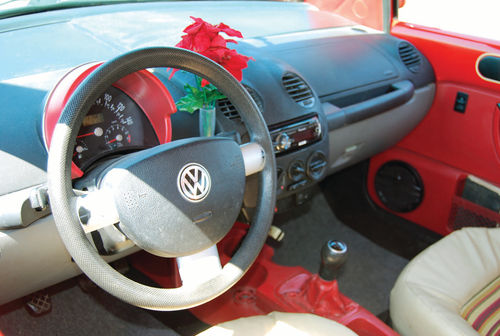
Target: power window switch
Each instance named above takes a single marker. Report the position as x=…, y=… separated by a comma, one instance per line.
x=461, y=102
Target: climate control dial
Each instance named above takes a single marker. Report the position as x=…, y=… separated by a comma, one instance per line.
x=296, y=171
x=316, y=165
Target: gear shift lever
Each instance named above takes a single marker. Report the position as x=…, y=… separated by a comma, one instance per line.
x=319, y=293
x=333, y=256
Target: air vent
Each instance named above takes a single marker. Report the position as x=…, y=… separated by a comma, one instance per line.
x=227, y=108
x=255, y=97
x=298, y=89
x=410, y=56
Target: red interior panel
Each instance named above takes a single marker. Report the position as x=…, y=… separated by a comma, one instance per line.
x=452, y=55
x=462, y=140
x=448, y=145
x=440, y=185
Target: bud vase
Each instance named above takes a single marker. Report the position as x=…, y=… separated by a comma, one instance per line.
x=207, y=121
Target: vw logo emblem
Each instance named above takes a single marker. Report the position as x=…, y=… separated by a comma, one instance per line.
x=194, y=182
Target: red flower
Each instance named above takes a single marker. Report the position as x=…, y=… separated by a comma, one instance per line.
x=202, y=35
x=203, y=38
x=230, y=59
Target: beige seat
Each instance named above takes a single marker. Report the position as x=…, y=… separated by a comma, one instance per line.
x=430, y=293
x=277, y=324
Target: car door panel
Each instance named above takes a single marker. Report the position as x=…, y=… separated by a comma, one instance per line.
x=448, y=145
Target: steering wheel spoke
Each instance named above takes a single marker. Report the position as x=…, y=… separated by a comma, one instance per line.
x=200, y=267
x=96, y=210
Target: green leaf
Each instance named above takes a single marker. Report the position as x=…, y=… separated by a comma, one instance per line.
x=189, y=103
x=198, y=97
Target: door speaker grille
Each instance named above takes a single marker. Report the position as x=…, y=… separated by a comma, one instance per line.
x=399, y=186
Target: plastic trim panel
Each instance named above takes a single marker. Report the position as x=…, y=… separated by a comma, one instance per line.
x=356, y=142
x=44, y=259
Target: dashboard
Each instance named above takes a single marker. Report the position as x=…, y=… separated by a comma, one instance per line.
x=332, y=94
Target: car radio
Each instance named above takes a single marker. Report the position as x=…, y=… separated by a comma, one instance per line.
x=291, y=137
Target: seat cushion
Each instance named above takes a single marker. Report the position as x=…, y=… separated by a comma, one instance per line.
x=276, y=323
x=483, y=310
x=432, y=289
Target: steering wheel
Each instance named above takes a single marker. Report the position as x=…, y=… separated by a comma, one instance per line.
x=174, y=200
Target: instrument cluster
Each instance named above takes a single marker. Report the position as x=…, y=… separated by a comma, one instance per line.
x=132, y=114
x=114, y=124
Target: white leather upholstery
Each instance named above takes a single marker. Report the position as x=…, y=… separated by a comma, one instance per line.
x=278, y=324
x=431, y=290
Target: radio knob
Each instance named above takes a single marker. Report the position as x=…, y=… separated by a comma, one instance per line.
x=283, y=142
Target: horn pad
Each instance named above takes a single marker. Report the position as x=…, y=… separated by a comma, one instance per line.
x=174, y=204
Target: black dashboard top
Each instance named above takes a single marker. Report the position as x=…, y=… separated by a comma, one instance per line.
x=335, y=59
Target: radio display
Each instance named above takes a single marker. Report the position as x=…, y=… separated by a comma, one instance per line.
x=307, y=134
x=299, y=134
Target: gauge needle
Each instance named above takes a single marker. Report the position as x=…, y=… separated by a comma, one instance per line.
x=84, y=135
x=112, y=140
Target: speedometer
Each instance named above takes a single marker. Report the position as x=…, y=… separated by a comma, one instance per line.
x=114, y=124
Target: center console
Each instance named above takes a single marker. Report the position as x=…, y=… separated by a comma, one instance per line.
x=301, y=149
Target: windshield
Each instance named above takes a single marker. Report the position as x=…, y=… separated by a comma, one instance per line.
x=10, y=8
x=335, y=13
x=368, y=13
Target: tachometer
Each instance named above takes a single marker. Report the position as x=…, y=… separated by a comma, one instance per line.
x=117, y=136
x=114, y=123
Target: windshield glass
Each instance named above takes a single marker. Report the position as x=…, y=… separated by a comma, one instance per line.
x=17, y=7
x=366, y=12
x=337, y=13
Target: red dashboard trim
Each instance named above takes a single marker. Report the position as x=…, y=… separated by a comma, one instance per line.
x=464, y=51
x=142, y=86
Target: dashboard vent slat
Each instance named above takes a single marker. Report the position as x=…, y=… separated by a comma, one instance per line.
x=410, y=56
x=297, y=88
x=229, y=110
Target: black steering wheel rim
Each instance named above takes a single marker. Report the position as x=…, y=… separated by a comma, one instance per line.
x=63, y=198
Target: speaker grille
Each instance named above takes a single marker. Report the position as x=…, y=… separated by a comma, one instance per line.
x=399, y=186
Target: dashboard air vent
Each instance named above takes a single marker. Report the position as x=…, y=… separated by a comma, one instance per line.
x=255, y=96
x=298, y=89
x=227, y=108
x=410, y=56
